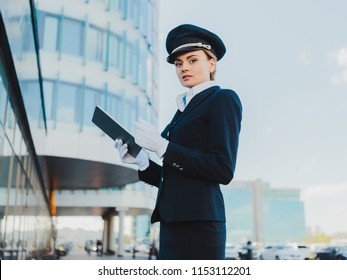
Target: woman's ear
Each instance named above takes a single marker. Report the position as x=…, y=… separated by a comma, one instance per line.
x=212, y=65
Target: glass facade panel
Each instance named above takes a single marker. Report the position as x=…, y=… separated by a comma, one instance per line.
x=68, y=107
x=72, y=37
x=33, y=107
x=131, y=114
x=283, y=217
x=133, y=12
x=28, y=39
x=48, y=88
x=114, y=50
x=142, y=70
x=115, y=108
x=132, y=62
x=3, y=101
x=239, y=212
x=115, y=5
x=50, y=33
x=92, y=98
x=96, y=44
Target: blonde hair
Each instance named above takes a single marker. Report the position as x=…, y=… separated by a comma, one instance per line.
x=210, y=55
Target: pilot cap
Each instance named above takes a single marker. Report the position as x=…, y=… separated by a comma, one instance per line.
x=188, y=37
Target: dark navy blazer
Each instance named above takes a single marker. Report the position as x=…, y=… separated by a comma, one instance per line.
x=203, y=143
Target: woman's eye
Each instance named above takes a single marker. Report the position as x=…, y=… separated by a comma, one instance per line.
x=192, y=61
x=177, y=64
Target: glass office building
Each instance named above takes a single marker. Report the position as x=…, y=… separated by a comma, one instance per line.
x=59, y=59
x=259, y=213
x=26, y=228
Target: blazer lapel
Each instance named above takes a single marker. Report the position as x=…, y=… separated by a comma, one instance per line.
x=193, y=104
x=197, y=99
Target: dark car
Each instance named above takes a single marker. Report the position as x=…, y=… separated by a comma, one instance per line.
x=341, y=254
x=327, y=253
x=63, y=249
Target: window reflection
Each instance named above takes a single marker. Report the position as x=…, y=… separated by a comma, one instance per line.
x=68, y=103
x=50, y=33
x=96, y=44
x=114, y=51
x=132, y=62
x=3, y=101
x=72, y=37
x=92, y=98
x=115, y=107
x=30, y=96
x=48, y=87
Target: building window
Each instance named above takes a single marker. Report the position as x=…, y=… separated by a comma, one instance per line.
x=68, y=103
x=92, y=98
x=134, y=12
x=49, y=41
x=96, y=44
x=142, y=71
x=3, y=101
x=72, y=37
x=48, y=89
x=114, y=51
x=131, y=107
x=114, y=107
x=132, y=62
x=31, y=97
x=27, y=36
x=144, y=16
x=115, y=5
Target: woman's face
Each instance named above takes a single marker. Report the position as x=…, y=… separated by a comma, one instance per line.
x=193, y=68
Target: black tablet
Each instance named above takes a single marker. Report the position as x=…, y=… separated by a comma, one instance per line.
x=113, y=129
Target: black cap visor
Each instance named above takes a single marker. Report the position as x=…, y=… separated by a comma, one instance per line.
x=172, y=57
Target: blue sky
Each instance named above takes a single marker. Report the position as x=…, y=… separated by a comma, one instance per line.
x=287, y=60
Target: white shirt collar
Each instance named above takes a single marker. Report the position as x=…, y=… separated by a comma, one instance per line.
x=183, y=99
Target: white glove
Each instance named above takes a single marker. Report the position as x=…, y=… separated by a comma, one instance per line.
x=146, y=136
x=141, y=159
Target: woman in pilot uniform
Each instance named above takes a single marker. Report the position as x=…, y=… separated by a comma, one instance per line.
x=198, y=149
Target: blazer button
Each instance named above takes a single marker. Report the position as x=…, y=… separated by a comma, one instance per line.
x=181, y=168
x=174, y=164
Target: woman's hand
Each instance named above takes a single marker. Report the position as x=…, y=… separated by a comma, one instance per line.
x=141, y=160
x=146, y=136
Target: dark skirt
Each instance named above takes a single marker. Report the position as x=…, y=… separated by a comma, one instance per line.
x=192, y=241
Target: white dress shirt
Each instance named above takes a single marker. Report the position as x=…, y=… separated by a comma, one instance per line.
x=183, y=99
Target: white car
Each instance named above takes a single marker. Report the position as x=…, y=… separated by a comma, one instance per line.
x=304, y=250
x=279, y=252
x=231, y=252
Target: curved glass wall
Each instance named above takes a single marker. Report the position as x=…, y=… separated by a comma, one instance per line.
x=25, y=220
x=126, y=53
x=120, y=51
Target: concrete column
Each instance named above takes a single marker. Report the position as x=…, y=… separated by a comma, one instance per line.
x=110, y=231
x=104, y=236
x=121, y=214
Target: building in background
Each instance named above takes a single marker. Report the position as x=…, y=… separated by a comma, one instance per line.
x=262, y=214
x=70, y=56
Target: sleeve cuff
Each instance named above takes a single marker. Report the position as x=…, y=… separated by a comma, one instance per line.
x=163, y=148
x=144, y=164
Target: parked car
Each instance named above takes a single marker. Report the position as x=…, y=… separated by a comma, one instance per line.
x=231, y=252
x=90, y=246
x=303, y=250
x=327, y=253
x=243, y=252
x=341, y=253
x=62, y=250
x=279, y=252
